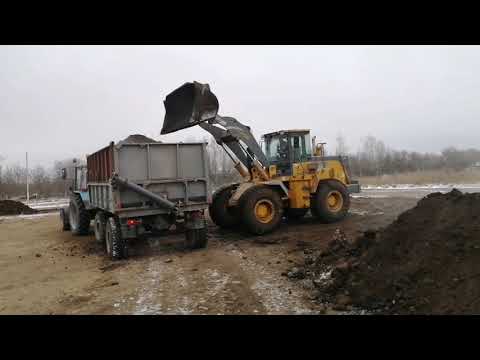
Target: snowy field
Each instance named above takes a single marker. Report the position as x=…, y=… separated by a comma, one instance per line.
x=47, y=204
x=411, y=190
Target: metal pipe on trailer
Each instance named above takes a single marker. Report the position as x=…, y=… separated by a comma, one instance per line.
x=116, y=180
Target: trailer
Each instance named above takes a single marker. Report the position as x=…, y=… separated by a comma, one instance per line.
x=139, y=189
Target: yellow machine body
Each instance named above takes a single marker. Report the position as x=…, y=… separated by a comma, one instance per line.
x=305, y=179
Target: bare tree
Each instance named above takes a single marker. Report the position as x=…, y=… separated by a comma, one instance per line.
x=341, y=148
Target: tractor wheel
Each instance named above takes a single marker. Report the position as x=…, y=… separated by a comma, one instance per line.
x=331, y=202
x=115, y=245
x=219, y=212
x=99, y=225
x=261, y=209
x=196, y=238
x=79, y=217
x=64, y=219
x=295, y=214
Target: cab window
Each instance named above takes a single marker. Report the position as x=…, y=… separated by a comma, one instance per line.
x=301, y=147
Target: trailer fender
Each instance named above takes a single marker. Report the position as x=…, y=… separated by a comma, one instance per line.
x=243, y=187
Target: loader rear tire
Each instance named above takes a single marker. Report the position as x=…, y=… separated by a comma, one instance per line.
x=331, y=202
x=261, y=209
x=222, y=215
x=115, y=245
x=79, y=217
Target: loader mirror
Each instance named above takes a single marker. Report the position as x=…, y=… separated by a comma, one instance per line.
x=189, y=105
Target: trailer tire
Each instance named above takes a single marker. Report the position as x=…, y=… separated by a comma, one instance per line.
x=64, y=213
x=115, y=245
x=79, y=217
x=99, y=225
x=219, y=212
x=196, y=238
x=331, y=202
x=261, y=209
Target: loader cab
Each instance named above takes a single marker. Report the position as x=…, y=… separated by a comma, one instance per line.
x=286, y=147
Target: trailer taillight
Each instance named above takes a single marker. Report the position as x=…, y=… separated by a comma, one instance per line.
x=133, y=222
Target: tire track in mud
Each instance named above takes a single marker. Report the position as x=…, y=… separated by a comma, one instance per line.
x=217, y=281
x=276, y=294
x=200, y=283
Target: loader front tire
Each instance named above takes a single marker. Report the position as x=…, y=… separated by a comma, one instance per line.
x=222, y=215
x=261, y=210
x=331, y=202
x=115, y=245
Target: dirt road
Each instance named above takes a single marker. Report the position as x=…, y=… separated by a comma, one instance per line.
x=46, y=271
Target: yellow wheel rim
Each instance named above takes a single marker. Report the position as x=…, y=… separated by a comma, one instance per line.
x=264, y=211
x=334, y=201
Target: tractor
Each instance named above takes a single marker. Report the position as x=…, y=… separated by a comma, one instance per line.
x=286, y=175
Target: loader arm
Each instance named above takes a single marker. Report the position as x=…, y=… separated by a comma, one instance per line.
x=231, y=136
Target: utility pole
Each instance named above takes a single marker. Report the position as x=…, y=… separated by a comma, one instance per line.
x=28, y=192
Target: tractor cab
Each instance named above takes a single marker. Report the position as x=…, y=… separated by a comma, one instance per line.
x=75, y=177
x=286, y=147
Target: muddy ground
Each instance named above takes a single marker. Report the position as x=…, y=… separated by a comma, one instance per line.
x=46, y=271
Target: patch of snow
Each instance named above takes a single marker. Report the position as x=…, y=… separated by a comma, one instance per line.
x=26, y=217
x=325, y=275
x=368, y=196
x=419, y=187
x=276, y=299
x=47, y=204
x=145, y=302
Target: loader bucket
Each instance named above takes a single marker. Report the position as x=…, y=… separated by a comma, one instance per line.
x=189, y=105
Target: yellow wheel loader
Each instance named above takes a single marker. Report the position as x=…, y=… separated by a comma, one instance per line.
x=287, y=175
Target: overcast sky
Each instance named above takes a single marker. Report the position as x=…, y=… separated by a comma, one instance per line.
x=62, y=101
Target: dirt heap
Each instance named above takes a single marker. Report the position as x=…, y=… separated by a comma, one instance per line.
x=11, y=207
x=425, y=262
x=137, y=139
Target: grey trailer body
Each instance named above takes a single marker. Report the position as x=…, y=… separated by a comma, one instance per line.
x=139, y=188
x=177, y=172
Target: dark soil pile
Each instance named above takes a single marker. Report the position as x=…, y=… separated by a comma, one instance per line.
x=425, y=262
x=11, y=207
x=137, y=139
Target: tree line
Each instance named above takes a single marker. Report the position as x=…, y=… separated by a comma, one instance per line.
x=43, y=182
x=373, y=158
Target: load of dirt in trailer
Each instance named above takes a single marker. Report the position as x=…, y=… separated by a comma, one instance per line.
x=11, y=207
x=137, y=139
x=426, y=262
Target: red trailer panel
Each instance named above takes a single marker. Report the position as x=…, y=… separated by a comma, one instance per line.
x=101, y=165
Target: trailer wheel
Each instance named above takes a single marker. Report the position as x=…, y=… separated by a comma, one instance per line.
x=261, y=209
x=115, y=245
x=64, y=219
x=99, y=225
x=331, y=202
x=196, y=238
x=78, y=216
x=219, y=212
